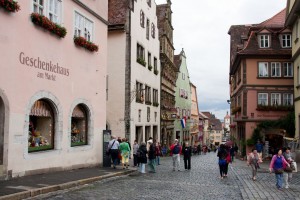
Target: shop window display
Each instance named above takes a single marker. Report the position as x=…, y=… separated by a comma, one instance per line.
x=41, y=127
x=78, y=126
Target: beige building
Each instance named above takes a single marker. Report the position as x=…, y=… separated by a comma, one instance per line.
x=194, y=126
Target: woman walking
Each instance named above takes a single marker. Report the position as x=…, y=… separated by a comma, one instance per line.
x=278, y=163
x=142, y=157
x=287, y=176
x=125, y=152
x=252, y=161
x=158, y=153
x=222, y=153
x=187, y=152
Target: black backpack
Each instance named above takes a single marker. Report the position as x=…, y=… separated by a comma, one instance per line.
x=176, y=149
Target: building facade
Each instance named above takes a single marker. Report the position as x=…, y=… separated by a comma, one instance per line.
x=203, y=129
x=133, y=91
x=195, y=126
x=261, y=78
x=226, y=128
x=168, y=73
x=52, y=89
x=183, y=100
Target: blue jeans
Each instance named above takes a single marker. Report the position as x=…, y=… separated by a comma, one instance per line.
x=157, y=160
x=152, y=165
x=279, y=180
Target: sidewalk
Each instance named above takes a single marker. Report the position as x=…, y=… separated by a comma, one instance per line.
x=30, y=186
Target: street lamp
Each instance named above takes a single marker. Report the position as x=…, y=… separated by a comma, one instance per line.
x=228, y=101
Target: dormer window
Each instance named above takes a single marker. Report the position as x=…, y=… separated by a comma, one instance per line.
x=286, y=40
x=264, y=41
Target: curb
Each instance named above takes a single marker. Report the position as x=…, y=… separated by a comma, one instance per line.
x=62, y=186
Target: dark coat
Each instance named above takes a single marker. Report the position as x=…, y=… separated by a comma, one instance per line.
x=222, y=154
x=187, y=152
x=151, y=153
x=142, y=151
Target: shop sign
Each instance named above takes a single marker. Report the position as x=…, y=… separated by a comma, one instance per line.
x=51, y=70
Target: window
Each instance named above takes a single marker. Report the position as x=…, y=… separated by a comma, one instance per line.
x=263, y=99
x=148, y=94
x=142, y=19
x=140, y=53
x=275, y=99
x=264, y=41
x=263, y=70
x=155, y=96
x=286, y=40
x=183, y=112
x=140, y=114
x=41, y=126
x=183, y=76
x=83, y=27
x=79, y=126
x=288, y=69
x=287, y=99
x=147, y=29
x=38, y=6
x=149, y=59
x=275, y=69
x=155, y=63
x=297, y=29
x=155, y=116
x=54, y=10
x=153, y=30
x=149, y=3
x=139, y=92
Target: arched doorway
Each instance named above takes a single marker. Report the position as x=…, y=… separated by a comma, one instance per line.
x=2, y=114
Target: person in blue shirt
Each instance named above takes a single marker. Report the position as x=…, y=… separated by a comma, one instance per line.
x=259, y=147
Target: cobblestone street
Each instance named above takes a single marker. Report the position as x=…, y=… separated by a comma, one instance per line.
x=202, y=182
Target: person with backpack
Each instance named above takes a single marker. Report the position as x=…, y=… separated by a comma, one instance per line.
x=113, y=148
x=222, y=154
x=278, y=164
x=175, y=151
x=142, y=157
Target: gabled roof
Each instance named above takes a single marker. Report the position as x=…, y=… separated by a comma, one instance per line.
x=202, y=116
x=277, y=20
x=117, y=10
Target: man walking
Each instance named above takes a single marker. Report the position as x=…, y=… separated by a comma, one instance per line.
x=113, y=147
x=135, y=148
x=151, y=156
x=176, y=151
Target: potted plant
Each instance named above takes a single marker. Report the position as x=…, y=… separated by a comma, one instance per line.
x=10, y=5
x=141, y=61
x=82, y=42
x=155, y=71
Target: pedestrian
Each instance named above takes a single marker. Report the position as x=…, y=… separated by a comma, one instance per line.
x=232, y=153
x=187, y=153
x=278, y=163
x=142, y=157
x=199, y=149
x=228, y=160
x=252, y=161
x=222, y=153
x=151, y=156
x=119, y=155
x=259, y=147
x=125, y=152
x=135, y=149
x=129, y=147
x=175, y=151
x=287, y=176
x=158, y=153
x=113, y=147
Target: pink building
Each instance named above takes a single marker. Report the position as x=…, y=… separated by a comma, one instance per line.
x=52, y=86
x=261, y=79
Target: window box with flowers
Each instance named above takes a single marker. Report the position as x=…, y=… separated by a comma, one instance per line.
x=141, y=61
x=148, y=102
x=155, y=71
x=236, y=109
x=82, y=42
x=47, y=24
x=275, y=108
x=149, y=67
x=155, y=104
x=10, y=5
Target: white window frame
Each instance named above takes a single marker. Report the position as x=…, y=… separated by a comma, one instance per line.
x=55, y=12
x=40, y=8
x=275, y=99
x=81, y=28
x=262, y=97
x=286, y=40
x=288, y=69
x=264, y=41
x=275, y=69
x=263, y=69
x=288, y=99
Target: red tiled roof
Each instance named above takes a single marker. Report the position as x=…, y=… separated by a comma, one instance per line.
x=117, y=10
x=277, y=20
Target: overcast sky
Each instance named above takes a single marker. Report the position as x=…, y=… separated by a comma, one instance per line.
x=201, y=28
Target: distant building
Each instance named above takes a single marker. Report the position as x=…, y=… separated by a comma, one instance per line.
x=203, y=128
x=261, y=78
x=195, y=128
x=226, y=128
x=214, y=130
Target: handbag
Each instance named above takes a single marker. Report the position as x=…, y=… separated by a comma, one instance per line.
x=294, y=166
x=279, y=171
x=108, y=150
x=288, y=169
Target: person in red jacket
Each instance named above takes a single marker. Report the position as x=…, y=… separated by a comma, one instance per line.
x=175, y=151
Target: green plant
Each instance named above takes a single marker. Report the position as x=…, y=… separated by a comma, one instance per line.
x=236, y=109
x=141, y=61
x=150, y=67
x=47, y=24
x=155, y=71
x=81, y=41
x=10, y=5
x=155, y=104
x=274, y=108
